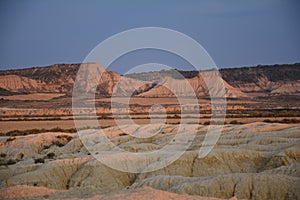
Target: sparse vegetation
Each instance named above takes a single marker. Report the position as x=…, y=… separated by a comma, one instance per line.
x=50, y=155
x=284, y=121
x=36, y=131
x=105, y=117
x=69, y=138
x=285, y=113
x=10, y=139
x=43, y=130
x=31, y=118
x=11, y=162
x=176, y=116
x=285, y=72
x=235, y=122
x=39, y=160
x=58, y=143
x=63, y=139
x=213, y=123
x=3, y=155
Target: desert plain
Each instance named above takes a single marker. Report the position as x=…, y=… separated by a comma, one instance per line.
x=45, y=156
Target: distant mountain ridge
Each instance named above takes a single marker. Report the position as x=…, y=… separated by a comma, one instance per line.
x=238, y=82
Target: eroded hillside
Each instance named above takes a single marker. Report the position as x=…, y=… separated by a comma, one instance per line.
x=253, y=161
x=238, y=82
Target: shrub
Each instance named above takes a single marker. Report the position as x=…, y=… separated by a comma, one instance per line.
x=39, y=160
x=3, y=155
x=69, y=138
x=206, y=123
x=58, y=143
x=50, y=155
x=56, y=129
x=10, y=139
x=234, y=122
x=267, y=121
x=173, y=117
x=37, y=131
x=285, y=121
x=11, y=162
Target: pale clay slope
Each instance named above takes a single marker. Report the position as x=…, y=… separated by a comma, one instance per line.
x=252, y=161
x=196, y=86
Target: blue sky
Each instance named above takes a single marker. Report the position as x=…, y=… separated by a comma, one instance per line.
x=235, y=33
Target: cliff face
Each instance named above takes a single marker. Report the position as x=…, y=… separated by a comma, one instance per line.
x=238, y=82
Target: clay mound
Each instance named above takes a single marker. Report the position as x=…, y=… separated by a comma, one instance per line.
x=247, y=162
x=109, y=83
x=25, y=147
x=195, y=86
x=292, y=87
x=14, y=83
x=244, y=186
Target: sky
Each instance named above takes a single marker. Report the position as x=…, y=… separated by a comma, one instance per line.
x=235, y=33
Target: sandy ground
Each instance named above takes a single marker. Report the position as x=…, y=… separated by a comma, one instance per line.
x=168, y=101
x=25, y=191
x=37, y=96
x=6, y=126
